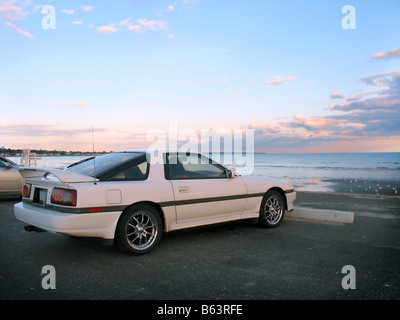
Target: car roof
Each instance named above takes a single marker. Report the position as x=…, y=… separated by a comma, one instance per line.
x=156, y=150
x=8, y=160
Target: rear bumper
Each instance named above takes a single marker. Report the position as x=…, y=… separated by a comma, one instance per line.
x=99, y=224
x=290, y=198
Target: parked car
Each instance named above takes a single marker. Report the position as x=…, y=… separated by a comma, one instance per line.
x=127, y=197
x=10, y=180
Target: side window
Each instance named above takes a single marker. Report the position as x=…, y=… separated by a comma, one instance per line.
x=135, y=172
x=193, y=166
x=3, y=163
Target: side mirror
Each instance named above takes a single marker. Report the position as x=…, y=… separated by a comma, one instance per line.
x=229, y=174
x=9, y=165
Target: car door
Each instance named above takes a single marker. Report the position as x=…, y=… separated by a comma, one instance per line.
x=9, y=178
x=202, y=189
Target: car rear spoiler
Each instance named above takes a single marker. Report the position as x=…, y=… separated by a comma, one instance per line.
x=64, y=176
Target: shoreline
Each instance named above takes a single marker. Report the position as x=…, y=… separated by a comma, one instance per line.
x=362, y=205
x=371, y=187
x=353, y=195
x=366, y=186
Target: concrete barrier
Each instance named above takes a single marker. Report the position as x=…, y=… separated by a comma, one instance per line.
x=321, y=215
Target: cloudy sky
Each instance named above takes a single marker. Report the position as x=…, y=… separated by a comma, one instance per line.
x=306, y=76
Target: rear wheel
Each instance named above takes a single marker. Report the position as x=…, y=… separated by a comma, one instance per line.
x=139, y=229
x=272, y=210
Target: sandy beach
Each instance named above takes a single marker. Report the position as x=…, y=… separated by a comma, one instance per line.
x=365, y=186
x=380, y=206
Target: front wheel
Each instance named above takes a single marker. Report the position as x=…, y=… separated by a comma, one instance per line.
x=272, y=210
x=139, y=229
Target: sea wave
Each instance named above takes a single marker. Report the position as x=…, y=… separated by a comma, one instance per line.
x=325, y=167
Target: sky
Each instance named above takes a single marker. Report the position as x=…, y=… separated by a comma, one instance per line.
x=300, y=75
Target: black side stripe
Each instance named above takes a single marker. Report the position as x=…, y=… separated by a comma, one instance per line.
x=212, y=199
x=161, y=204
x=73, y=209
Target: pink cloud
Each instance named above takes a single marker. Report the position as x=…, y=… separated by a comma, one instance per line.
x=106, y=29
x=279, y=79
x=381, y=79
x=143, y=25
x=68, y=11
x=353, y=97
x=20, y=31
x=153, y=24
x=11, y=12
x=385, y=99
x=336, y=95
x=73, y=104
x=379, y=102
x=125, y=22
x=395, y=53
x=135, y=28
x=314, y=123
x=356, y=96
x=87, y=8
x=265, y=129
x=42, y=130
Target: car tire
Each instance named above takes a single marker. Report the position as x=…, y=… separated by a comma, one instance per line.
x=272, y=210
x=139, y=230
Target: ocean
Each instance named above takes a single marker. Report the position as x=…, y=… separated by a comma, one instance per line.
x=371, y=173
x=366, y=173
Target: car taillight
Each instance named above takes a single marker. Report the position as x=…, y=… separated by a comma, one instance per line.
x=64, y=197
x=26, y=190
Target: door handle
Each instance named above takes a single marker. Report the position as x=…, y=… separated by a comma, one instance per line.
x=183, y=189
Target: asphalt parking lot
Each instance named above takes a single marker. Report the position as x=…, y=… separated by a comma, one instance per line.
x=239, y=261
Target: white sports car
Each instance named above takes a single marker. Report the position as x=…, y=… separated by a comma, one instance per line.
x=127, y=197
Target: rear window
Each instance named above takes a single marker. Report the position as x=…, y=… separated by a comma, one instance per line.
x=99, y=166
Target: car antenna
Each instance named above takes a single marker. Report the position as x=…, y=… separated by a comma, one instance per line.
x=94, y=158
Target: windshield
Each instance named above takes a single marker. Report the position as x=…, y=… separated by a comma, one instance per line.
x=96, y=166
